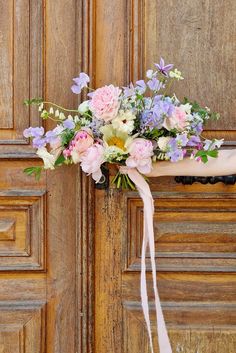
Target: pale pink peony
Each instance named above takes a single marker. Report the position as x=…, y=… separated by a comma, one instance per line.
x=178, y=120
x=79, y=145
x=105, y=102
x=140, y=151
x=92, y=160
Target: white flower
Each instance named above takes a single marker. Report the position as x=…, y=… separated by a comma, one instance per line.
x=83, y=107
x=51, y=110
x=40, y=107
x=149, y=74
x=57, y=113
x=186, y=108
x=176, y=74
x=48, y=159
x=124, y=122
x=163, y=143
x=62, y=116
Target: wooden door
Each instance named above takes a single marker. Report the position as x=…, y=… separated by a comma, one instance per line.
x=39, y=55
x=195, y=226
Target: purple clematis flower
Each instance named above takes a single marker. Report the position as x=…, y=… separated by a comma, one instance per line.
x=80, y=83
x=33, y=132
x=164, y=68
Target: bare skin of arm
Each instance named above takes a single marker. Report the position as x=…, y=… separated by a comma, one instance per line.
x=224, y=164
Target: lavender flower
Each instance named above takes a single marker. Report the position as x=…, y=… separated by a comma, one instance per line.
x=149, y=121
x=154, y=84
x=69, y=124
x=194, y=141
x=141, y=86
x=33, y=132
x=163, y=108
x=80, y=83
x=39, y=142
x=181, y=140
x=129, y=91
x=164, y=68
x=174, y=152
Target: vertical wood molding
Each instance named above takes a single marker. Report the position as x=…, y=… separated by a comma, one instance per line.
x=85, y=195
x=136, y=43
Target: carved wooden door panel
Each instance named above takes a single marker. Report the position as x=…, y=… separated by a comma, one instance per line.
x=194, y=225
x=37, y=232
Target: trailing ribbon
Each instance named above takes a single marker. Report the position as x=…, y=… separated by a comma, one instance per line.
x=148, y=240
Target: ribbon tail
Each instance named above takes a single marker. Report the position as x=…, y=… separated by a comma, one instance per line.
x=145, y=193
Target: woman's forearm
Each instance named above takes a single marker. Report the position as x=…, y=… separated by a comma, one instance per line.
x=224, y=164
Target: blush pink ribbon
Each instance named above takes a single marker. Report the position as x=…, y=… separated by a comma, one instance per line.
x=148, y=240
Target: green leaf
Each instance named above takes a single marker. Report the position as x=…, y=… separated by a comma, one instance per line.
x=213, y=153
x=36, y=171
x=67, y=136
x=60, y=160
x=204, y=159
x=36, y=101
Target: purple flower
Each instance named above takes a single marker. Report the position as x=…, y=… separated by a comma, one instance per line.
x=141, y=86
x=149, y=120
x=175, y=155
x=129, y=91
x=163, y=108
x=181, y=140
x=80, y=83
x=52, y=135
x=33, y=132
x=39, y=142
x=194, y=141
x=197, y=127
x=68, y=124
x=164, y=68
x=154, y=84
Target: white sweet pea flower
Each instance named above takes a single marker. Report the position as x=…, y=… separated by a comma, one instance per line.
x=124, y=121
x=83, y=107
x=186, y=108
x=163, y=143
x=176, y=74
x=48, y=158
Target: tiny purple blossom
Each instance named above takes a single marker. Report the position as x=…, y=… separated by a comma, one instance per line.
x=80, y=83
x=175, y=155
x=182, y=140
x=154, y=84
x=194, y=141
x=33, y=132
x=164, y=68
x=68, y=124
x=141, y=86
x=39, y=142
x=129, y=91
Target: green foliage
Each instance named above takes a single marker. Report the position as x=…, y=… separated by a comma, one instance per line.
x=33, y=101
x=66, y=137
x=36, y=171
x=60, y=160
x=205, y=154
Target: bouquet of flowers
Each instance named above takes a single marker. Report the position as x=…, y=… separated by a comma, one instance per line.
x=132, y=126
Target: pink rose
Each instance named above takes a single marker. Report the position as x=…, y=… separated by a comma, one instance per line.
x=178, y=120
x=140, y=151
x=105, y=102
x=79, y=145
x=92, y=160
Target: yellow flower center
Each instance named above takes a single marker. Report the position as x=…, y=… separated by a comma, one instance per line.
x=116, y=141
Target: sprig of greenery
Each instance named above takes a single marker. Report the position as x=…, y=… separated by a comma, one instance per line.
x=205, y=154
x=36, y=171
x=122, y=181
x=33, y=101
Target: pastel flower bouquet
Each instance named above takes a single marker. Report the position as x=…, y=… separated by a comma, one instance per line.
x=132, y=126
